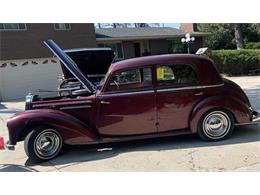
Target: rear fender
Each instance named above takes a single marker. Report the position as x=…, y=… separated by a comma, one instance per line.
x=237, y=108
x=72, y=130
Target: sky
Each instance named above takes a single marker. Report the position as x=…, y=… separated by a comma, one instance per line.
x=173, y=25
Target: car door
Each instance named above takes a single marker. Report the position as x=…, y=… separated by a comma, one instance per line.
x=177, y=93
x=127, y=107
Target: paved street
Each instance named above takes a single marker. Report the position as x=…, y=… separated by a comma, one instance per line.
x=183, y=153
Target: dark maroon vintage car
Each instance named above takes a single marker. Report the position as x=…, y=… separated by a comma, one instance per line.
x=145, y=97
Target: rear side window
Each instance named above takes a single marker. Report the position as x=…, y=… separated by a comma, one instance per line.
x=131, y=79
x=175, y=74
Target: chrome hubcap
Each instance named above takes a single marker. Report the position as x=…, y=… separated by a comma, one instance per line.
x=216, y=124
x=47, y=143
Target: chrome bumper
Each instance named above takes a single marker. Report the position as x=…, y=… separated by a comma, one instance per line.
x=8, y=146
x=256, y=118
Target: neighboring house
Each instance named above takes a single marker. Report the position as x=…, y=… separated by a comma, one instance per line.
x=26, y=64
x=135, y=42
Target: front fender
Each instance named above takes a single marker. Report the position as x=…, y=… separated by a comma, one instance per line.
x=239, y=109
x=72, y=130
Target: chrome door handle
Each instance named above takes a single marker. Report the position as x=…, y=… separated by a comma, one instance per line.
x=104, y=102
x=198, y=94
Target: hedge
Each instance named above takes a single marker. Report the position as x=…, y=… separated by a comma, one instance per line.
x=253, y=45
x=236, y=62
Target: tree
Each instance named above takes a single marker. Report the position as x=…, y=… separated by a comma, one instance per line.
x=227, y=36
x=141, y=25
x=251, y=32
x=220, y=36
x=238, y=36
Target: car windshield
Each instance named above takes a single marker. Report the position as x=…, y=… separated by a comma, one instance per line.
x=101, y=83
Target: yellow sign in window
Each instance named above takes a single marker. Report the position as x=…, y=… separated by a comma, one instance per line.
x=160, y=73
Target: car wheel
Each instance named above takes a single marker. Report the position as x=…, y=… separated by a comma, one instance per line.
x=43, y=143
x=216, y=125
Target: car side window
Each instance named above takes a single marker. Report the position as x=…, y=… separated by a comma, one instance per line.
x=175, y=74
x=131, y=79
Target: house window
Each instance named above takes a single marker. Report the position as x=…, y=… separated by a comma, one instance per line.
x=116, y=47
x=62, y=26
x=12, y=26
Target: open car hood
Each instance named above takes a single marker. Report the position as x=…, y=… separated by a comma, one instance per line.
x=70, y=65
x=90, y=61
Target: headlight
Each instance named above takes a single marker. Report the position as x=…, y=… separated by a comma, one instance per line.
x=29, y=98
x=28, y=101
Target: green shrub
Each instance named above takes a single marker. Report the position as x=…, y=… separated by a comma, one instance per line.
x=236, y=62
x=253, y=45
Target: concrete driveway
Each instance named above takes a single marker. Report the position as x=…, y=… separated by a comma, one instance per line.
x=183, y=153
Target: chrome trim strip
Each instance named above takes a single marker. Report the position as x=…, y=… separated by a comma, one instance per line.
x=191, y=87
x=160, y=90
x=126, y=93
x=75, y=107
x=52, y=105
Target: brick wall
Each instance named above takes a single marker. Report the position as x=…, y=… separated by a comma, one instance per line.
x=29, y=43
x=188, y=27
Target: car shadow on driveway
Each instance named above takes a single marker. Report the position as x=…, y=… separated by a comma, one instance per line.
x=78, y=154
x=2, y=106
x=15, y=168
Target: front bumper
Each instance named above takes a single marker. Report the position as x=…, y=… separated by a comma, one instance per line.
x=5, y=146
x=8, y=146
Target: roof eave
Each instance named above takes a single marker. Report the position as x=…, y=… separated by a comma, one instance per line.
x=132, y=38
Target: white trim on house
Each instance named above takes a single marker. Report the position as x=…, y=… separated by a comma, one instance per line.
x=18, y=77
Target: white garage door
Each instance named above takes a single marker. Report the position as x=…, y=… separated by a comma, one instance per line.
x=18, y=77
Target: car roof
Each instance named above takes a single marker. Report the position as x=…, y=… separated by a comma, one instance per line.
x=157, y=59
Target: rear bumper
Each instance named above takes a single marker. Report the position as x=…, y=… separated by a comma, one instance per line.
x=256, y=117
